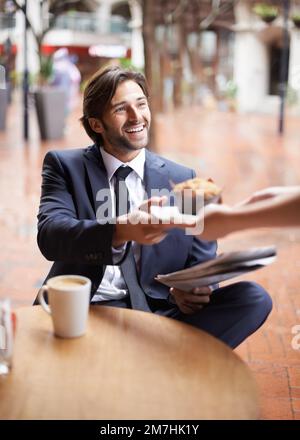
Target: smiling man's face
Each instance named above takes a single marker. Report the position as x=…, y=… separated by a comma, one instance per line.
x=126, y=122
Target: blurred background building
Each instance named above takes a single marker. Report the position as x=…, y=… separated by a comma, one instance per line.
x=219, y=53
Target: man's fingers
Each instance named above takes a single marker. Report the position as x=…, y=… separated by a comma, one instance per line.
x=194, y=299
x=190, y=302
x=158, y=239
x=155, y=201
x=194, y=306
x=193, y=296
x=187, y=310
x=154, y=238
x=205, y=290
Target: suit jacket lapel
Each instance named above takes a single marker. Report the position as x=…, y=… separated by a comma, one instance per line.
x=96, y=173
x=156, y=179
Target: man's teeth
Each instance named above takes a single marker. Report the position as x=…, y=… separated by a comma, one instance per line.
x=135, y=130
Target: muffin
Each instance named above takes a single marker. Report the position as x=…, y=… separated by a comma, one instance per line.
x=191, y=194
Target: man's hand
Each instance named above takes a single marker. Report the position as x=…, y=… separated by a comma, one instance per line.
x=191, y=302
x=141, y=226
x=153, y=201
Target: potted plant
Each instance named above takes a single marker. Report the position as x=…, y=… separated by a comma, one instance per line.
x=231, y=94
x=50, y=102
x=6, y=66
x=3, y=108
x=3, y=98
x=296, y=19
x=266, y=12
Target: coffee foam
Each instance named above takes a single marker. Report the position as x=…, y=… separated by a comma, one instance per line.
x=67, y=283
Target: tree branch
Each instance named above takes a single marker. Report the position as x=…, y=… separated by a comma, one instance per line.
x=217, y=9
x=28, y=22
x=175, y=14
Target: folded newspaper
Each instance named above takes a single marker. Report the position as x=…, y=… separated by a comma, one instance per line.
x=225, y=266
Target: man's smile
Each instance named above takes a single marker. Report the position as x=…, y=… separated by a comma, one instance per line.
x=135, y=128
x=136, y=132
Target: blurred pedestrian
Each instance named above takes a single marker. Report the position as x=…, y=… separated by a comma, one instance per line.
x=66, y=75
x=7, y=60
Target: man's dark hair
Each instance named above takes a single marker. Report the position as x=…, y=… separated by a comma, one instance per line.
x=99, y=91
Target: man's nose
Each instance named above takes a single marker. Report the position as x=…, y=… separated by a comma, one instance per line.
x=133, y=113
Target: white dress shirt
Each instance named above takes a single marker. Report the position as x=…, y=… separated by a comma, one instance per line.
x=113, y=285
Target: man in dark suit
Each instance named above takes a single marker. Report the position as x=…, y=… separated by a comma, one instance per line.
x=122, y=253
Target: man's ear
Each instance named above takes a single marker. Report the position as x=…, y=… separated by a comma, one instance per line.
x=96, y=125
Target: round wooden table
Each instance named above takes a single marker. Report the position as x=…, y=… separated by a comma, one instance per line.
x=129, y=365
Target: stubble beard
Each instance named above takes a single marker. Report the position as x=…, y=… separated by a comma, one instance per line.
x=121, y=143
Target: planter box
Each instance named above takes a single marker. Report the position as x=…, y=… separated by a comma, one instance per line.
x=268, y=19
x=297, y=23
x=50, y=103
x=3, y=108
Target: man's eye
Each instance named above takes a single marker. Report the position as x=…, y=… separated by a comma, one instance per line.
x=142, y=104
x=119, y=109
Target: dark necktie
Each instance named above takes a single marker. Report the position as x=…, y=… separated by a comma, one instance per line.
x=128, y=267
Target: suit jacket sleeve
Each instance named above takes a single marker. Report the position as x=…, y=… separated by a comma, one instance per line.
x=201, y=251
x=61, y=235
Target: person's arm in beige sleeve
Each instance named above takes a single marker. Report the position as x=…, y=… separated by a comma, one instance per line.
x=270, y=193
x=272, y=210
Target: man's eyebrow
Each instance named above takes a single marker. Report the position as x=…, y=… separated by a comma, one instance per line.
x=140, y=98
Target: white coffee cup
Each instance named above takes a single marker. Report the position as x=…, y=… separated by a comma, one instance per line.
x=69, y=299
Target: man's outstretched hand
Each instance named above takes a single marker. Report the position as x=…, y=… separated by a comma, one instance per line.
x=142, y=227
